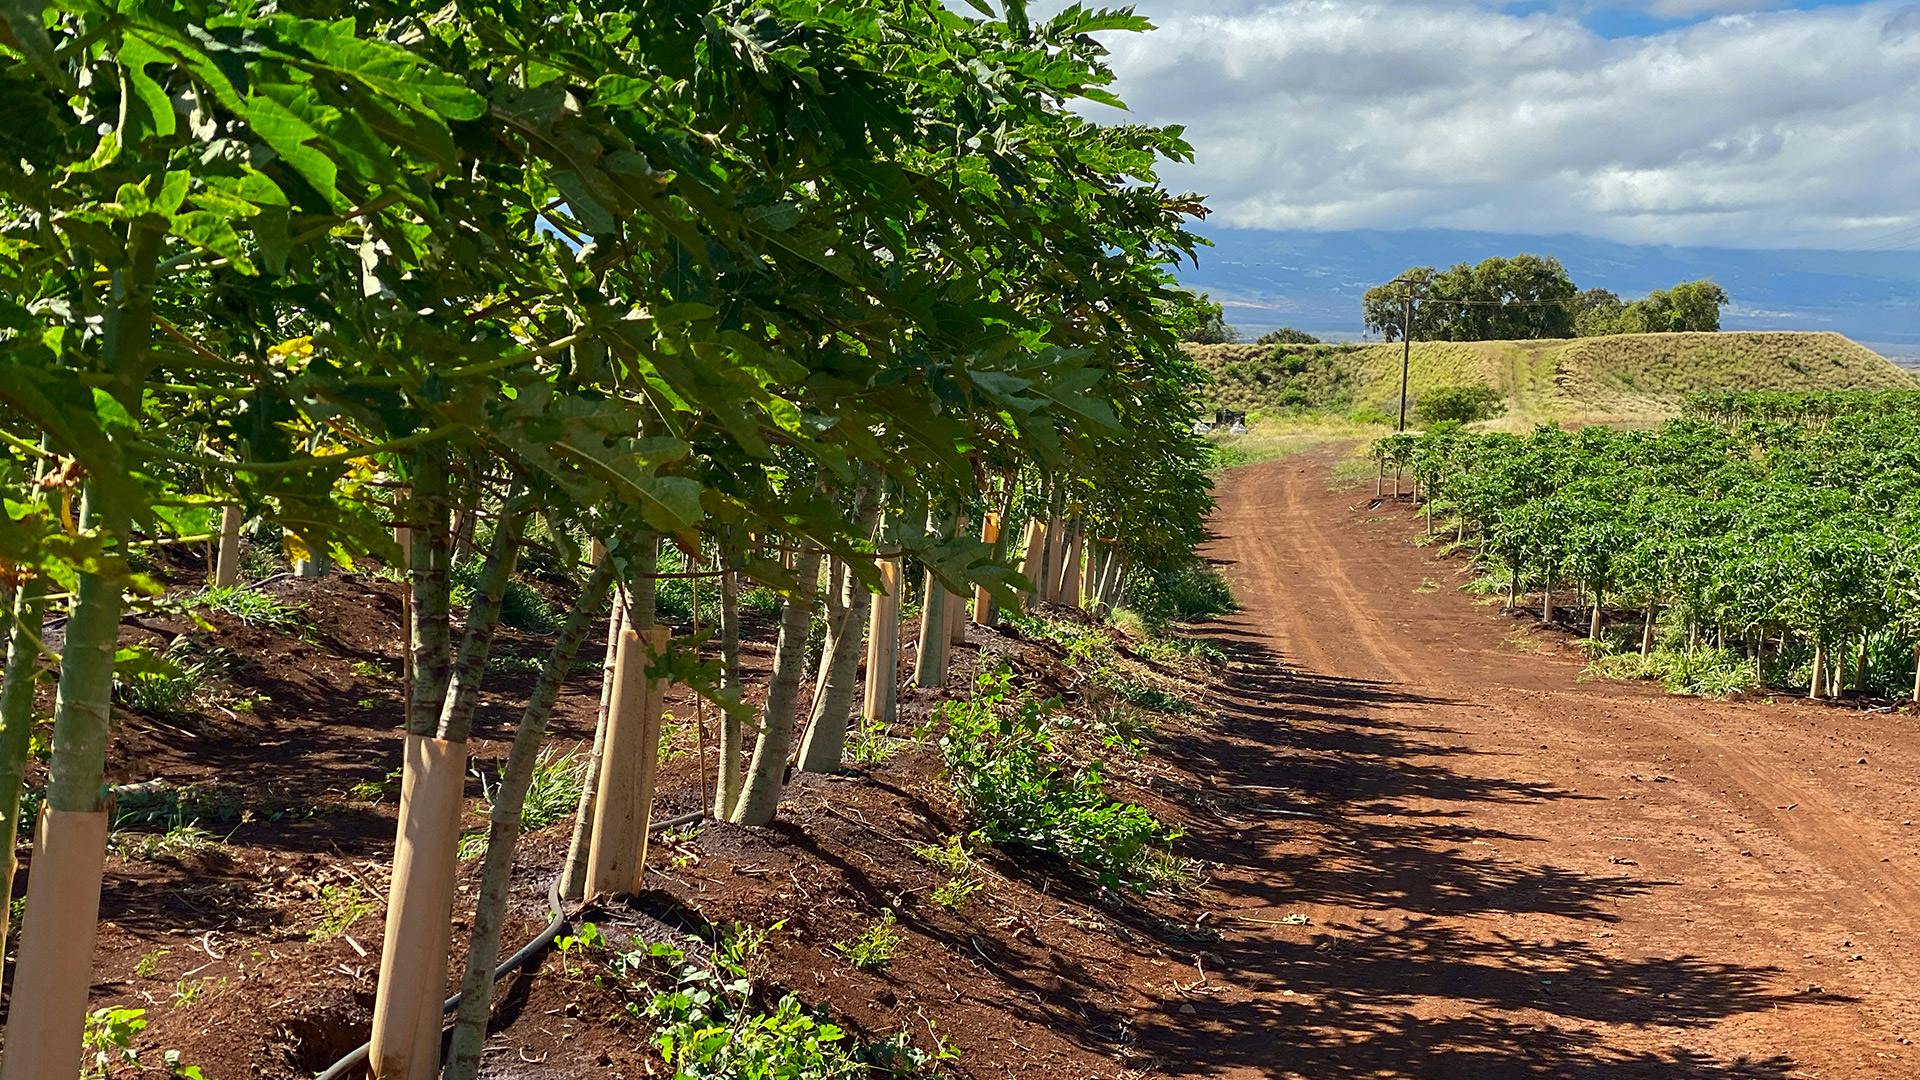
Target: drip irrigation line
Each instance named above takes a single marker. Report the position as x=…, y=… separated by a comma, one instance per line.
x=342, y=1068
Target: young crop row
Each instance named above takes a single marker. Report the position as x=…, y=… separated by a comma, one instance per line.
x=1784, y=540
x=789, y=287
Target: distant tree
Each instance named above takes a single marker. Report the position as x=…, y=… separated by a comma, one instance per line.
x=1598, y=312
x=1688, y=306
x=1383, y=307
x=1197, y=318
x=1462, y=404
x=1527, y=296
x=1286, y=335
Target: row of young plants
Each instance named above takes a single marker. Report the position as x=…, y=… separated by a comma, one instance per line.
x=1028, y=773
x=1759, y=539
x=795, y=289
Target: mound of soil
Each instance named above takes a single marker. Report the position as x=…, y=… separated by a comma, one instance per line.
x=252, y=938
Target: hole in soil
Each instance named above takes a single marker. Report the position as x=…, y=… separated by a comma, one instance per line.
x=327, y=1029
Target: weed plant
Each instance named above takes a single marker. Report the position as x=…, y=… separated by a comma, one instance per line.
x=552, y=795
x=1021, y=793
x=522, y=607
x=1705, y=672
x=870, y=744
x=873, y=948
x=1174, y=648
x=340, y=907
x=248, y=605
x=1140, y=694
x=964, y=879
x=167, y=684
x=1183, y=592
x=710, y=1025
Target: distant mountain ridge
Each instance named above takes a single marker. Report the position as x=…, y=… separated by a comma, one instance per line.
x=1313, y=280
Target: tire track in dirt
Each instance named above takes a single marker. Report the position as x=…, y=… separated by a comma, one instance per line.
x=1443, y=856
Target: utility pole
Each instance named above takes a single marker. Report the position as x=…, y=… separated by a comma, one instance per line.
x=1406, y=348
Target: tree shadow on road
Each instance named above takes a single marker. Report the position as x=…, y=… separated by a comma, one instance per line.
x=1326, y=797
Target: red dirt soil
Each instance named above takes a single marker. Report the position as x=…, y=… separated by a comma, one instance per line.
x=1509, y=872
x=1435, y=853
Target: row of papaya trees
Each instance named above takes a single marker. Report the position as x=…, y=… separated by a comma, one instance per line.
x=1782, y=527
x=799, y=288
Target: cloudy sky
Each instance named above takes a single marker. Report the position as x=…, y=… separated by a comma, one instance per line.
x=1733, y=123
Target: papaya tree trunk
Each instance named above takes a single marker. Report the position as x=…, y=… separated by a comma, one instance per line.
x=732, y=739
x=881, y=705
x=48, y=1002
x=983, y=612
x=1593, y=627
x=930, y=658
x=1646, y=634
x=503, y=828
x=930, y=661
x=1916, y=673
x=995, y=529
x=1068, y=590
x=766, y=775
x=24, y=619
x=1116, y=579
x=1546, y=601
x=1032, y=562
x=1056, y=555
x=1097, y=560
x=226, y=567
x=55, y=968
x=414, y=951
x=573, y=877
x=957, y=601
x=617, y=860
x=825, y=743
x=836, y=614
x=1860, y=669
x=633, y=610
x=25, y=625
x=1815, y=689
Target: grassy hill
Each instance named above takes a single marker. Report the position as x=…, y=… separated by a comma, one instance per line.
x=1624, y=378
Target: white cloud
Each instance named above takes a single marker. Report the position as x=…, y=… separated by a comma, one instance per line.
x=1762, y=129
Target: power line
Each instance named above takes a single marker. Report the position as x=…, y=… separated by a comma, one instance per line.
x=1497, y=303
x=1900, y=238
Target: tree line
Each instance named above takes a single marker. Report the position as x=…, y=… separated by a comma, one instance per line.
x=1780, y=528
x=806, y=293
x=1527, y=297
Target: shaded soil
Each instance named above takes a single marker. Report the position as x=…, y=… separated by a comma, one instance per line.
x=1434, y=853
x=254, y=952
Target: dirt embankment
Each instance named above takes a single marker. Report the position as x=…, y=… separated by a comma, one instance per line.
x=252, y=945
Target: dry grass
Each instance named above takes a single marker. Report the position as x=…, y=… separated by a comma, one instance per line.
x=1624, y=379
x=1269, y=438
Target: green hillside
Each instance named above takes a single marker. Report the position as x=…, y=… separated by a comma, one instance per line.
x=1623, y=378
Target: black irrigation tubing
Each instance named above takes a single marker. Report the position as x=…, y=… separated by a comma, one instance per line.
x=339, y=1069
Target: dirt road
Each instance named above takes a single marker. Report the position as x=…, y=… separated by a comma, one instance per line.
x=1450, y=858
